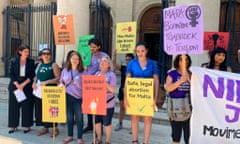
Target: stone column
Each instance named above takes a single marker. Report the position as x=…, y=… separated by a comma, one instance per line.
x=3, y=5
x=211, y=12
x=80, y=11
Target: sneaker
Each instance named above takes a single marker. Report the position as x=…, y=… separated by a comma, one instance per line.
x=118, y=127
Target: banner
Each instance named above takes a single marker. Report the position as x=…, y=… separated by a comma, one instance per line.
x=53, y=104
x=126, y=37
x=63, y=29
x=215, y=99
x=94, y=92
x=183, y=29
x=84, y=49
x=216, y=39
x=140, y=96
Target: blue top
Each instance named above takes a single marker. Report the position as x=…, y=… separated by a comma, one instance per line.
x=182, y=90
x=136, y=71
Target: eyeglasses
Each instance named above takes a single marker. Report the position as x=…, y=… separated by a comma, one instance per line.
x=46, y=53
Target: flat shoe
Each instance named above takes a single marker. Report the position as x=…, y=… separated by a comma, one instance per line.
x=54, y=132
x=67, y=140
x=12, y=130
x=26, y=130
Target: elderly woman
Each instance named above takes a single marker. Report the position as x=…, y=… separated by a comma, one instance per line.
x=105, y=64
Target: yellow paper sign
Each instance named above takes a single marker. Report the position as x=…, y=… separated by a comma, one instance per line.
x=53, y=104
x=140, y=96
x=126, y=37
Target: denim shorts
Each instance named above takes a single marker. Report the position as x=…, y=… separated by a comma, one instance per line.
x=107, y=119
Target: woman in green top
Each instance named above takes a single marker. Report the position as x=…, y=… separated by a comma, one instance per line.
x=47, y=73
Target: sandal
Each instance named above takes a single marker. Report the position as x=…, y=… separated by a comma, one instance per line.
x=54, y=132
x=80, y=141
x=67, y=140
x=42, y=131
x=97, y=142
x=135, y=141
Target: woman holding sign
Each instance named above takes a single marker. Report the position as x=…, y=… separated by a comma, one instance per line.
x=111, y=81
x=142, y=67
x=47, y=74
x=21, y=76
x=178, y=87
x=71, y=79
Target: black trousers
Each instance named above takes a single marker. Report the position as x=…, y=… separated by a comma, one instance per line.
x=14, y=108
x=38, y=114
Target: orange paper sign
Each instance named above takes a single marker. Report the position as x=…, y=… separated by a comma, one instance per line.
x=63, y=29
x=94, y=95
x=216, y=39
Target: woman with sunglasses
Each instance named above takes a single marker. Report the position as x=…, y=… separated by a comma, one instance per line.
x=48, y=74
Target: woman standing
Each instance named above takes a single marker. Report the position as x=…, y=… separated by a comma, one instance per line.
x=21, y=77
x=142, y=67
x=71, y=79
x=48, y=74
x=178, y=87
x=111, y=82
x=218, y=60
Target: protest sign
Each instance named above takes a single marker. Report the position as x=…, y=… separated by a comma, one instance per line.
x=84, y=49
x=216, y=39
x=183, y=29
x=53, y=104
x=140, y=95
x=215, y=97
x=94, y=95
x=126, y=37
x=63, y=29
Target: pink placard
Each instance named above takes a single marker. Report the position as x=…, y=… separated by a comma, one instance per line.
x=183, y=29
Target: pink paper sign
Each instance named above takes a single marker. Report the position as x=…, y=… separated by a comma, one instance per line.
x=183, y=29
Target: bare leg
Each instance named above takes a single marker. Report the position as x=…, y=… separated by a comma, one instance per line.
x=134, y=127
x=108, y=133
x=99, y=131
x=147, y=128
x=122, y=111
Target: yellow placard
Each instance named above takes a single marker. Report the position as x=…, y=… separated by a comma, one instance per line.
x=53, y=104
x=126, y=37
x=140, y=95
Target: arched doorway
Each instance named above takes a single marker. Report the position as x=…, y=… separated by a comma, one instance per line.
x=150, y=29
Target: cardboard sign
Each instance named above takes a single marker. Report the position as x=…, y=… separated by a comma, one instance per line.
x=216, y=39
x=63, y=29
x=140, y=96
x=126, y=37
x=53, y=104
x=84, y=49
x=183, y=29
x=94, y=95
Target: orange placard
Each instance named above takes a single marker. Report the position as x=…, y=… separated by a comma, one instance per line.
x=94, y=93
x=63, y=29
x=215, y=39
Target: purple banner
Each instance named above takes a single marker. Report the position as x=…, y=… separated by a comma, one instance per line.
x=183, y=29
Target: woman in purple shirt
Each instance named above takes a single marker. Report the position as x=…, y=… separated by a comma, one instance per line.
x=97, y=54
x=178, y=87
x=71, y=79
x=111, y=82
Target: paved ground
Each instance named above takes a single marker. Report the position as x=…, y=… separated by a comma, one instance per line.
x=160, y=128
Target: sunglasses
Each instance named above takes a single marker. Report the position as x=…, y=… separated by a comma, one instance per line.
x=46, y=53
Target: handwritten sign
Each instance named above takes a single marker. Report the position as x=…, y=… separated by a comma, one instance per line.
x=183, y=29
x=140, y=96
x=126, y=37
x=84, y=49
x=63, y=29
x=53, y=104
x=216, y=107
x=94, y=95
x=216, y=39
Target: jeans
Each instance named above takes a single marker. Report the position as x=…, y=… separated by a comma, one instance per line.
x=74, y=108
